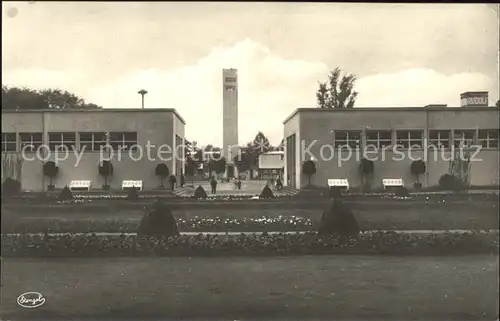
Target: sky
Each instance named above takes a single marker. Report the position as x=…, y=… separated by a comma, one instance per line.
x=404, y=55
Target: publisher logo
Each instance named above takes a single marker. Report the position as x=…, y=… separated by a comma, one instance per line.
x=30, y=300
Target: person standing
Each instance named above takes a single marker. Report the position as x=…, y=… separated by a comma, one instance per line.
x=213, y=183
x=279, y=184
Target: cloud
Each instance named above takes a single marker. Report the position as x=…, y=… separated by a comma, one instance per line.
x=270, y=88
x=420, y=87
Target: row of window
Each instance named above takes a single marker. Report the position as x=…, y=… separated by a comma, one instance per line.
x=30, y=142
x=487, y=138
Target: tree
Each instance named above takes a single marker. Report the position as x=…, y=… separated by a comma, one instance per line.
x=261, y=143
x=245, y=161
x=418, y=168
x=338, y=91
x=248, y=158
x=281, y=146
x=25, y=98
x=217, y=164
x=50, y=170
x=22, y=98
x=161, y=170
x=106, y=170
x=498, y=103
x=309, y=169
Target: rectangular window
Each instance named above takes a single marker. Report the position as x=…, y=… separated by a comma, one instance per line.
x=379, y=139
x=407, y=138
x=464, y=138
x=488, y=138
x=92, y=142
x=347, y=138
x=9, y=143
x=62, y=141
x=123, y=140
x=30, y=142
x=439, y=138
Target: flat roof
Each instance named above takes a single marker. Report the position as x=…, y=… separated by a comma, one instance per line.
x=389, y=109
x=474, y=93
x=95, y=110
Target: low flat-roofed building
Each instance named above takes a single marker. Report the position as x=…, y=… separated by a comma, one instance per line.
x=317, y=134
x=138, y=140
x=271, y=164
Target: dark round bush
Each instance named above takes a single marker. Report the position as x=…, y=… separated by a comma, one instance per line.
x=338, y=219
x=266, y=193
x=158, y=221
x=450, y=182
x=199, y=192
x=11, y=187
x=65, y=195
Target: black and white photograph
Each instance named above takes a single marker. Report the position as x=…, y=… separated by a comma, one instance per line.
x=238, y=161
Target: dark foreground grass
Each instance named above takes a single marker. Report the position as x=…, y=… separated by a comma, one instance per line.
x=286, y=288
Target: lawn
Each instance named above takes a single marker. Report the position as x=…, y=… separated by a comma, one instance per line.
x=440, y=217
x=307, y=287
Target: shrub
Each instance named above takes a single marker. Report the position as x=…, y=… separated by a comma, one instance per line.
x=50, y=170
x=401, y=191
x=65, y=195
x=366, y=166
x=450, y=182
x=418, y=168
x=199, y=192
x=309, y=169
x=158, y=221
x=266, y=193
x=11, y=187
x=162, y=171
x=338, y=219
x=133, y=194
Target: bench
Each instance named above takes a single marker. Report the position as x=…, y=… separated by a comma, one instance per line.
x=390, y=183
x=80, y=185
x=132, y=184
x=342, y=183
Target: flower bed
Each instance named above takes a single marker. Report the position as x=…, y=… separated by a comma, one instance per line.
x=193, y=224
x=235, y=198
x=117, y=197
x=276, y=244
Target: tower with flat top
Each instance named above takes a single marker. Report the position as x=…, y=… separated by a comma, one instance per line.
x=230, y=118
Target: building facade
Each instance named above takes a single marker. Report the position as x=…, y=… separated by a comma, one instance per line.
x=133, y=140
x=230, y=118
x=271, y=164
x=430, y=133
